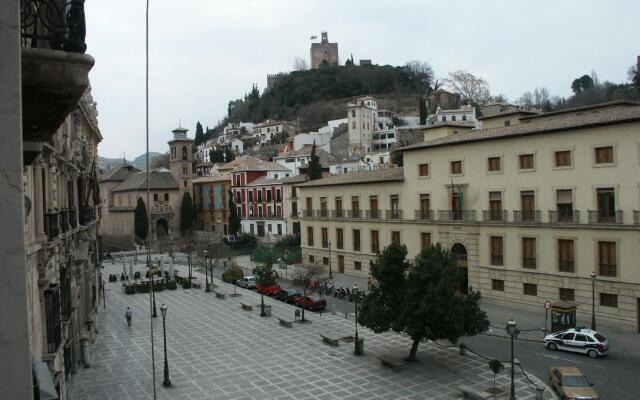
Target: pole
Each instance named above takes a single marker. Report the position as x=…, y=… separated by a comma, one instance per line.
x=513, y=389
x=593, y=301
x=104, y=298
x=356, y=350
x=166, y=382
x=153, y=295
x=330, y=275
x=546, y=319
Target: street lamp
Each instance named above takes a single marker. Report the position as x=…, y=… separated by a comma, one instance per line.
x=154, y=314
x=206, y=273
x=593, y=300
x=511, y=330
x=356, y=350
x=166, y=382
x=330, y=275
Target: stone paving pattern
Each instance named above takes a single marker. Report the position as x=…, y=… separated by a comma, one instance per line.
x=216, y=350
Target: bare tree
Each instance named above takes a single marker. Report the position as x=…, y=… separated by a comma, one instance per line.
x=307, y=276
x=300, y=64
x=541, y=97
x=422, y=71
x=472, y=89
x=526, y=100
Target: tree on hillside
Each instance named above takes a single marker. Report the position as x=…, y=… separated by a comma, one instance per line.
x=199, y=138
x=472, y=89
x=422, y=74
x=141, y=221
x=314, y=171
x=216, y=156
x=634, y=75
x=234, y=218
x=585, y=82
x=229, y=155
x=422, y=109
x=161, y=161
x=264, y=277
x=425, y=304
x=187, y=214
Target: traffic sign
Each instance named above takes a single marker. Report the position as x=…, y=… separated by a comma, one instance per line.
x=547, y=304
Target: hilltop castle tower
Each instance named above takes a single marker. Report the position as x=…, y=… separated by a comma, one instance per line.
x=324, y=52
x=180, y=159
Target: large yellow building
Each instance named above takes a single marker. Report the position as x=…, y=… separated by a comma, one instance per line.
x=531, y=207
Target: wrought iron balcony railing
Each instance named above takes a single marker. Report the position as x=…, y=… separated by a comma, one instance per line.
x=373, y=214
x=605, y=269
x=566, y=266
x=424, y=215
x=529, y=262
x=564, y=217
x=494, y=215
x=605, y=217
x=322, y=214
x=337, y=214
x=53, y=24
x=307, y=213
x=393, y=214
x=354, y=213
x=52, y=225
x=457, y=216
x=527, y=216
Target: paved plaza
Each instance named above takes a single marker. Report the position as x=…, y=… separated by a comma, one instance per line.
x=216, y=350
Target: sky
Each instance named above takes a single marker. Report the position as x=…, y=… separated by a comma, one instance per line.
x=204, y=53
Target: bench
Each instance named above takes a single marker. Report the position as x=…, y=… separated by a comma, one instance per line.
x=220, y=295
x=471, y=393
x=393, y=363
x=196, y=285
x=246, y=307
x=288, y=324
x=330, y=340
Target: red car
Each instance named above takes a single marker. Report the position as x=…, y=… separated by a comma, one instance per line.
x=268, y=290
x=311, y=303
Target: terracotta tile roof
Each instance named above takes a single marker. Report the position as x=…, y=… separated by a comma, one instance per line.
x=294, y=179
x=510, y=112
x=620, y=103
x=263, y=180
x=356, y=177
x=215, y=178
x=536, y=127
x=160, y=178
x=249, y=163
x=119, y=173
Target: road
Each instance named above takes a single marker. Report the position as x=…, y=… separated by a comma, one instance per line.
x=615, y=376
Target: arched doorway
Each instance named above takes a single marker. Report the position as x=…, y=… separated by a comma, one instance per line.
x=460, y=253
x=162, y=229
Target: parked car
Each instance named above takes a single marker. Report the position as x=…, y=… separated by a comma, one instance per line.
x=287, y=295
x=578, y=340
x=268, y=290
x=311, y=303
x=248, y=282
x=571, y=384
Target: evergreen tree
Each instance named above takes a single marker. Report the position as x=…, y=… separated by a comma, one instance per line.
x=234, y=218
x=199, y=138
x=141, y=220
x=187, y=214
x=314, y=170
x=422, y=107
x=229, y=155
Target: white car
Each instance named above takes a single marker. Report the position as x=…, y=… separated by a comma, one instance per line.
x=248, y=282
x=578, y=340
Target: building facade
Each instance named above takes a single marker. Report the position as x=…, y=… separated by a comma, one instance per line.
x=362, y=122
x=531, y=210
x=180, y=159
x=324, y=53
x=210, y=196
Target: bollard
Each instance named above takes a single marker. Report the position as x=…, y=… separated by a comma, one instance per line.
x=333, y=309
x=539, y=392
x=463, y=349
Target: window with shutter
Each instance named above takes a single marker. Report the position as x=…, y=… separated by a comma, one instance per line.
x=494, y=164
x=526, y=161
x=565, y=255
x=529, y=253
x=563, y=158
x=496, y=250
x=604, y=155
x=607, y=259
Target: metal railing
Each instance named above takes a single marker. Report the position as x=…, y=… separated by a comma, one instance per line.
x=636, y=217
x=307, y=213
x=424, y=215
x=529, y=262
x=354, y=213
x=337, y=213
x=457, y=215
x=564, y=217
x=393, y=214
x=605, y=217
x=527, y=216
x=566, y=266
x=494, y=215
x=322, y=214
x=53, y=24
x=373, y=214
x=605, y=269
x=52, y=225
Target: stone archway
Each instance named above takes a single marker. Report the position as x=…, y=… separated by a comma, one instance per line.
x=460, y=252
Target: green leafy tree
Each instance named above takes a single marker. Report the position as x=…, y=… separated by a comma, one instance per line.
x=187, y=214
x=314, y=171
x=585, y=82
x=496, y=367
x=141, y=220
x=199, y=138
x=424, y=303
x=233, y=272
x=234, y=218
x=264, y=277
x=229, y=155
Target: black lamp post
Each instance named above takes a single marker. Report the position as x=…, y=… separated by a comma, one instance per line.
x=206, y=273
x=330, y=274
x=511, y=330
x=153, y=292
x=356, y=350
x=593, y=300
x=166, y=382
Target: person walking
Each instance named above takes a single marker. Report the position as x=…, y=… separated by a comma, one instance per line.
x=127, y=315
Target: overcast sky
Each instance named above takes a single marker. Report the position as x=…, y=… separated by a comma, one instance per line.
x=204, y=53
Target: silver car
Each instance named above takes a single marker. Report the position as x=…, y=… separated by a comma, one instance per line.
x=248, y=282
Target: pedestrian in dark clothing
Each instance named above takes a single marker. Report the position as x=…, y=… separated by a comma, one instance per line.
x=127, y=315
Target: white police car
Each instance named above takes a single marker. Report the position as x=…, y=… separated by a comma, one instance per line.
x=578, y=340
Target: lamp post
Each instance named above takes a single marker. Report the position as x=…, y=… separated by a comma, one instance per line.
x=330, y=274
x=511, y=330
x=593, y=300
x=286, y=264
x=356, y=350
x=154, y=314
x=166, y=382
x=206, y=273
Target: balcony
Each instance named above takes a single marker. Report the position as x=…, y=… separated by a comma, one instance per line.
x=337, y=214
x=494, y=215
x=564, y=217
x=527, y=216
x=605, y=269
x=393, y=214
x=307, y=213
x=354, y=214
x=55, y=72
x=52, y=225
x=566, y=266
x=529, y=262
x=322, y=213
x=373, y=214
x=424, y=215
x=466, y=216
x=87, y=215
x=605, y=217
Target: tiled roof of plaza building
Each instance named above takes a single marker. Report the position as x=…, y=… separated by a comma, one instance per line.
x=590, y=119
x=250, y=163
x=356, y=177
x=160, y=178
x=119, y=173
